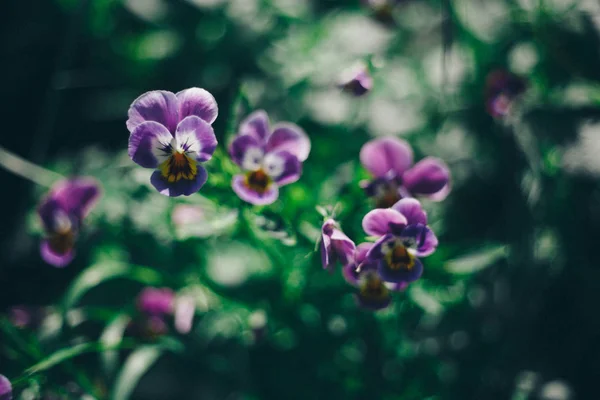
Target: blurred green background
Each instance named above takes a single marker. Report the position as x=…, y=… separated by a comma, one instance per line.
x=506, y=308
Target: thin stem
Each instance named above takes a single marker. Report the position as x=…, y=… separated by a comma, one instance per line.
x=25, y=169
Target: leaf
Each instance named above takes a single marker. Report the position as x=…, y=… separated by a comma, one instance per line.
x=477, y=260
x=111, y=337
x=61, y=356
x=136, y=366
x=105, y=271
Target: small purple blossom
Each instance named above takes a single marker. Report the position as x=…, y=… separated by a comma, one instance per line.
x=5, y=388
x=173, y=133
x=271, y=158
x=335, y=246
x=156, y=301
x=62, y=212
x=356, y=80
x=390, y=161
x=501, y=90
x=403, y=236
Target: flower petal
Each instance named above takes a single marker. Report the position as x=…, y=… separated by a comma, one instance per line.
x=401, y=275
x=47, y=211
x=428, y=177
x=245, y=193
x=156, y=301
x=149, y=144
x=291, y=138
x=283, y=167
x=421, y=238
x=256, y=125
x=5, y=388
x=198, y=102
x=159, y=106
x=183, y=187
x=375, y=253
x=197, y=138
x=412, y=210
x=55, y=259
x=246, y=151
x=373, y=294
x=326, y=259
x=380, y=156
x=382, y=221
x=77, y=196
x=360, y=255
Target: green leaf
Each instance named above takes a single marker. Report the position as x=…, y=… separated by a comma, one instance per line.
x=477, y=260
x=136, y=366
x=111, y=337
x=105, y=271
x=61, y=356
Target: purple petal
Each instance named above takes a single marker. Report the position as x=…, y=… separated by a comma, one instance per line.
x=326, y=260
x=421, y=238
x=380, y=156
x=291, y=138
x=375, y=252
x=283, y=167
x=398, y=287
x=353, y=271
x=256, y=125
x=412, y=210
x=360, y=254
x=197, y=138
x=159, y=106
x=47, y=211
x=198, y=102
x=156, y=301
x=149, y=144
x=428, y=177
x=343, y=246
x=245, y=150
x=5, y=388
x=401, y=275
x=78, y=196
x=382, y=221
x=183, y=187
x=245, y=193
x=55, y=259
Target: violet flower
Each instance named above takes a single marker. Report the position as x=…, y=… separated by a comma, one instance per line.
x=155, y=301
x=389, y=159
x=404, y=236
x=173, y=133
x=271, y=158
x=159, y=303
x=62, y=212
x=335, y=246
x=501, y=90
x=356, y=80
x=5, y=388
x=362, y=272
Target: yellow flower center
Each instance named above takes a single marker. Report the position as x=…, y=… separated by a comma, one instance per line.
x=177, y=167
x=400, y=259
x=373, y=288
x=258, y=181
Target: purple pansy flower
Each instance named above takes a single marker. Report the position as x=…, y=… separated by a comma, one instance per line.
x=356, y=80
x=335, y=246
x=173, y=133
x=389, y=159
x=501, y=90
x=270, y=157
x=5, y=388
x=156, y=301
x=404, y=236
x=62, y=212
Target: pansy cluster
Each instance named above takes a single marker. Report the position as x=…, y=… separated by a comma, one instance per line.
x=398, y=224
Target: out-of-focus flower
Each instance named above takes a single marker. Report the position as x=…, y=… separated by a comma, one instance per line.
x=271, y=158
x=22, y=316
x=156, y=301
x=62, y=212
x=5, y=388
x=173, y=133
x=389, y=159
x=335, y=246
x=356, y=80
x=502, y=88
x=404, y=236
x=373, y=293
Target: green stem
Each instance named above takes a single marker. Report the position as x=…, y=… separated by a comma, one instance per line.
x=25, y=169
